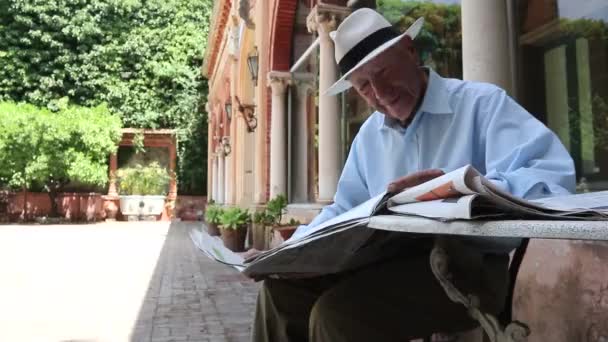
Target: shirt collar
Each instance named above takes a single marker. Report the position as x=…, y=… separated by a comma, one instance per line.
x=435, y=101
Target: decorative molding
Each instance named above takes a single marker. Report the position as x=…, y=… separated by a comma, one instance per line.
x=324, y=18
x=233, y=41
x=304, y=81
x=219, y=20
x=244, y=9
x=281, y=34
x=278, y=81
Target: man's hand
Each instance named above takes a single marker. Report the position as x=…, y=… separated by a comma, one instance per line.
x=250, y=254
x=413, y=179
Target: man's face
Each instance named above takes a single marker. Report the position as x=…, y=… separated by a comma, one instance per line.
x=392, y=82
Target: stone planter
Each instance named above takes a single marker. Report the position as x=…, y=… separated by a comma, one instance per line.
x=234, y=239
x=138, y=206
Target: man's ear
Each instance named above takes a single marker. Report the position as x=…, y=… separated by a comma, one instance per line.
x=406, y=41
x=409, y=46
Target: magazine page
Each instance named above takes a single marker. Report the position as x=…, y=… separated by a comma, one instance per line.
x=363, y=210
x=590, y=200
x=452, y=184
x=525, y=208
x=308, y=239
x=323, y=254
x=446, y=208
x=214, y=248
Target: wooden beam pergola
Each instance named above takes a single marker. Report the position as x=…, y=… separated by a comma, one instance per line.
x=163, y=138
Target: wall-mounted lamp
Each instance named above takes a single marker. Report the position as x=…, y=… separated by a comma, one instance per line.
x=247, y=111
x=252, y=63
x=226, y=148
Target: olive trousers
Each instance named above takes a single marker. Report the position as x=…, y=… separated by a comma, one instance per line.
x=397, y=299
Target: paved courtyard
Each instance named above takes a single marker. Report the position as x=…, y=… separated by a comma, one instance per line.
x=114, y=282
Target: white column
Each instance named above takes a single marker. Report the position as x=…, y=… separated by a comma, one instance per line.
x=228, y=180
x=214, y=173
x=278, y=82
x=220, y=178
x=231, y=159
x=261, y=153
x=323, y=19
x=210, y=157
x=485, y=57
x=304, y=83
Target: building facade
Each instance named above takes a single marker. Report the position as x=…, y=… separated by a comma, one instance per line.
x=263, y=63
x=271, y=130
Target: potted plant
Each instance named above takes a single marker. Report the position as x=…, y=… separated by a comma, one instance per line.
x=261, y=222
x=142, y=190
x=212, y=218
x=233, y=228
x=275, y=209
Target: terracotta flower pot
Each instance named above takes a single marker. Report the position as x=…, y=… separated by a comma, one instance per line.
x=234, y=239
x=286, y=231
x=280, y=234
x=110, y=206
x=213, y=229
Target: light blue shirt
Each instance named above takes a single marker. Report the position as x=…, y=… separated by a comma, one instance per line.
x=458, y=123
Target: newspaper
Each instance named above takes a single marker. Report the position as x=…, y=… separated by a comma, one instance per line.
x=466, y=194
x=346, y=242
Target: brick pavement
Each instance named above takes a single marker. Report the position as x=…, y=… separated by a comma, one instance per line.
x=192, y=298
x=115, y=282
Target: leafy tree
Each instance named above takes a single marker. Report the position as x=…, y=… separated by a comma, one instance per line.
x=440, y=40
x=39, y=147
x=590, y=29
x=142, y=58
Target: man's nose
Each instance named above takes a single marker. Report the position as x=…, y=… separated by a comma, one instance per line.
x=377, y=86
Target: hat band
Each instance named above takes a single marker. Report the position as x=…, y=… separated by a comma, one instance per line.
x=365, y=46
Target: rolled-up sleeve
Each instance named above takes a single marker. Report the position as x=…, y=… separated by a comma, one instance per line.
x=351, y=191
x=523, y=156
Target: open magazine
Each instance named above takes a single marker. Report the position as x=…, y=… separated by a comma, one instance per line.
x=345, y=242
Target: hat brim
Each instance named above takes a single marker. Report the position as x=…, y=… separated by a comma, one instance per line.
x=344, y=84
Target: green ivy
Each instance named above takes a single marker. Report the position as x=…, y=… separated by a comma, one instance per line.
x=142, y=58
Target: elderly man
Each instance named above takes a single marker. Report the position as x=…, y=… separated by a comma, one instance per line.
x=423, y=126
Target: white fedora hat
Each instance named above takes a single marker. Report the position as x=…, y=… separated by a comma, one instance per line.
x=363, y=35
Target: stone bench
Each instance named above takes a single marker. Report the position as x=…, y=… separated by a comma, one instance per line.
x=498, y=329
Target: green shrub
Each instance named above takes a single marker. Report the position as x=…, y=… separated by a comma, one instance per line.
x=143, y=180
x=48, y=150
x=233, y=218
x=258, y=217
x=275, y=208
x=262, y=217
x=213, y=213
